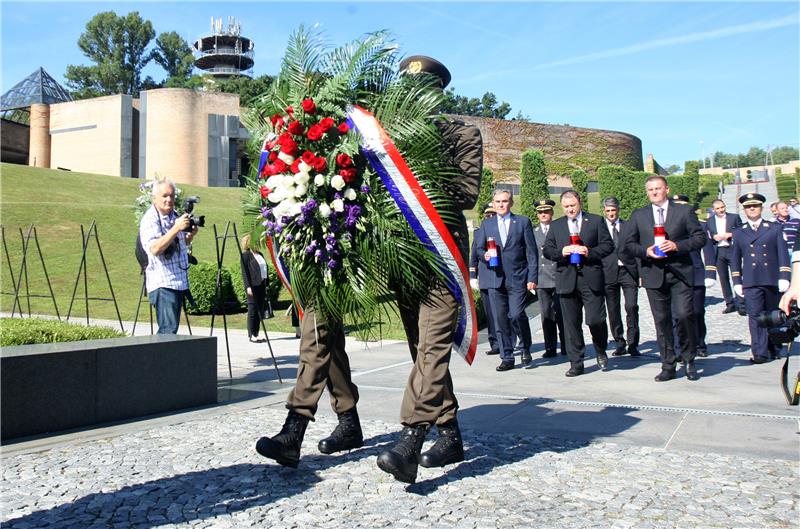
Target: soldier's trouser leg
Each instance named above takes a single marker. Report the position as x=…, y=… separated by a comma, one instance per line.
x=323, y=363
x=429, y=397
x=757, y=300
x=547, y=309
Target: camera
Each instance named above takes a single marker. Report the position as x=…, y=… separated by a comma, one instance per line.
x=194, y=220
x=782, y=328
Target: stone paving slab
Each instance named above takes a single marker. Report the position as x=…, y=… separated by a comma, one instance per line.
x=205, y=473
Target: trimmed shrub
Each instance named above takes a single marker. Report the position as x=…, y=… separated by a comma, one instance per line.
x=203, y=284
x=580, y=181
x=533, y=183
x=786, y=185
x=487, y=189
x=26, y=331
x=626, y=185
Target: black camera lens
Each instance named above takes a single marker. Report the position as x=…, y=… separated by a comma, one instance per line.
x=771, y=318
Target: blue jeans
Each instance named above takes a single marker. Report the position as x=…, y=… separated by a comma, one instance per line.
x=168, y=303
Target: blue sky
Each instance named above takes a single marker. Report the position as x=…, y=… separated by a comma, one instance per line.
x=673, y=74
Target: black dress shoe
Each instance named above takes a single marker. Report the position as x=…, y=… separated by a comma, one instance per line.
x=634, y=351
x=742, y=312
x=526, y=358
x=574, y=371
x=665, y=375
x=728, y=309
x=491, y=352
x=759, y=360
x=505, y=365
x=602, y=361
x=619, y=351
x=550, y=354
x=691, y=372
x=701, y=353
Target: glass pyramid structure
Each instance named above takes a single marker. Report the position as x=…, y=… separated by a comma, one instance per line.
x=38, y=87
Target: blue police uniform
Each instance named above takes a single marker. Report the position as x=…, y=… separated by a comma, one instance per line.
x=759, y=259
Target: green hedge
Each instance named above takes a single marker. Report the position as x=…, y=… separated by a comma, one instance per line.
x=533, y=183
x=486, y=192
x=625, y=184
x=580, y=182
x=786, y=185
x=26, y=331
x=203, y=284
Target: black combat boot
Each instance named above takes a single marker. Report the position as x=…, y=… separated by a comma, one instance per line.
x=285, y=447
x=401, y=460
x=447, y=449
x=346, y=436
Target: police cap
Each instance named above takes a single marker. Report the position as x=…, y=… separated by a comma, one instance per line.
x=680, y=199
x=544, y=205
x=489, y=209
x=421, y=64
x=752, y=199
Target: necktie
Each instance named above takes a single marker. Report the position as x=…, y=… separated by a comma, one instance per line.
x=545, y=227
x=661, y=216
x=755, y=227
x=503, y=232
x=575, y=225
x=614, y=234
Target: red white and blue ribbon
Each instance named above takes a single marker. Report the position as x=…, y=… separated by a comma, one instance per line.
x=423, y=218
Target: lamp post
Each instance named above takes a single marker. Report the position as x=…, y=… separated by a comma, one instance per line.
x=703, y=153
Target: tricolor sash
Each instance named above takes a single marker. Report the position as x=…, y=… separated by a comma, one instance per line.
x=423, y=218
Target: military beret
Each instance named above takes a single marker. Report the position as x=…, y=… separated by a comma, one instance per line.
x=421, y=64
x=752, y=199
x=680, y=199
x=544, y=204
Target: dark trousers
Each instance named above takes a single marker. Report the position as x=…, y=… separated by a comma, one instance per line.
x=429, y=397
x=757, y=300
x=723, y=271
x=572, y=307
x=552, y=321
x=491, y=330
x=322, y=363
x=630, y=289
x=256, y=306
x=699, y=307
x=510, y=319
x=673, y=300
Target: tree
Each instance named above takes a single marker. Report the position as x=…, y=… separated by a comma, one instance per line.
x=487, y=190
x=249, y=90
x=672, y=169
x=174, y=54
x=486, y=106
x=580, y=182
x=533, y=182
x=785, y=154
x=116, y=45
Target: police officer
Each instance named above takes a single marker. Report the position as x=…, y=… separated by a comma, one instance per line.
x=704, y=277
x=760, y=270
x=478, y=270
x=549, y=305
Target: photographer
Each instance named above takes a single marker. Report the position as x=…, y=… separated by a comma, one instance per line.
x=165, y=236
x=793, y=294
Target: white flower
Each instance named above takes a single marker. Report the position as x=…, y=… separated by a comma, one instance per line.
x=350, y=193
x=337, y=182
x=338, y=204
x=274, y=181
x=319, y=180
x=300, y=190
x=276, y=196
x=304, y=167
x=295, y=208
x=324, y=210
x=301, y=178
x=289, y=160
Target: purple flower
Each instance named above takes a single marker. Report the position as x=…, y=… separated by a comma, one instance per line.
x=332, y=264
x=289, y=237
x=318, y=254
x=365, y=188
x=352, y=216
x=265, y=211
x=311, y=247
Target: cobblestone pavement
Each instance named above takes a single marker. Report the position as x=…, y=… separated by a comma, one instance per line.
x=205, y=473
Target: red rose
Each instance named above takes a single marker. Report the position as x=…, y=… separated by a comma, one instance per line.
x=296, y=166
x=288, y=145
x=280, y=166
x=290, y=110
x=348, y=174
x=308, y=157
x=277, y=121
x=343, y=160
x=272, y=156
x=315, y=132
x=264, y=192
x=308, y=106
x=320, y=164
x=296, y=128
x=343, y=128
x=326, y=124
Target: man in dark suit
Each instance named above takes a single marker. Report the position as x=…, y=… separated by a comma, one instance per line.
x=549, y=304
x=666, y=270
x=720, y=229
x=619, y=276
x=480, y=268
x=514, y=275
x=760, y=270
x=704, y=277
x=579, y=278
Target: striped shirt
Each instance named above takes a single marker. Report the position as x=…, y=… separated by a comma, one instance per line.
x=163, y=271
x=789, y=230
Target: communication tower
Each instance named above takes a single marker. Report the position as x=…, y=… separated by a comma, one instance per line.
x=224, y=52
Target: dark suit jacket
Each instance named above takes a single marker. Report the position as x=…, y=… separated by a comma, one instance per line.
x=478, y=267
x=595, y=236
x=610, y=262
x=731, y=222
x=251, y=272
x=519, y=261
x=682, y=228
x=704, y=267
